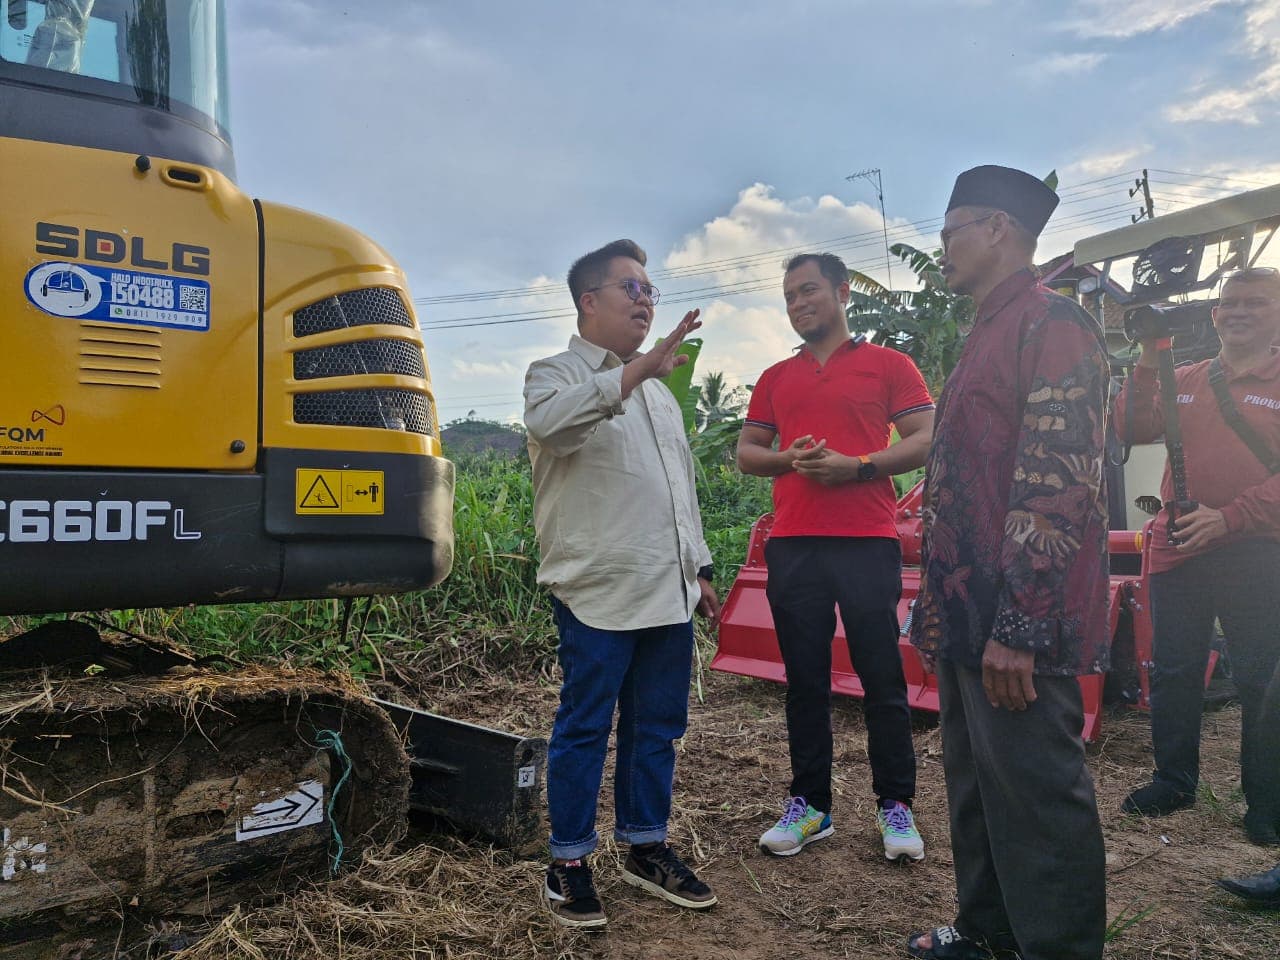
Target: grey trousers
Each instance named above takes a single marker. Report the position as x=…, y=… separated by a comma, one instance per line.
x=1025, y=836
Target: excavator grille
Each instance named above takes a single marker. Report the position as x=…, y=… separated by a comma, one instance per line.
x=365, y=356
x=356, y=308
x=388, y=409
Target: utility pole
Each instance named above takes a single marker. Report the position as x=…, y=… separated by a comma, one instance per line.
x=884, y=226
x=1147, y=210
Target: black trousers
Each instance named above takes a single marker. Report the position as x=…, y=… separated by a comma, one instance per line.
x=808, y=578
x=1025, y=837
x=1240, y=585
x=1268, y=778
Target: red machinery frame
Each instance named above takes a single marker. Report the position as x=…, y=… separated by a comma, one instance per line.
x=748, y=646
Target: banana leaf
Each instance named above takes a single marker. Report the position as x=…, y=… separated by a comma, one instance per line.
x=680, y=381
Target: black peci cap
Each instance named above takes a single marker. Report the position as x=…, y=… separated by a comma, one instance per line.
x=1029, y=200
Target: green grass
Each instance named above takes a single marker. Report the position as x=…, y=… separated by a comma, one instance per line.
x=489, y=614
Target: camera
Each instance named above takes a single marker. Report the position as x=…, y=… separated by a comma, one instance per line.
x=1154, y=322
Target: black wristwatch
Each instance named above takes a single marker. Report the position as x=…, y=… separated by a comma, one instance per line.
x=866, y=470
x=707, y=573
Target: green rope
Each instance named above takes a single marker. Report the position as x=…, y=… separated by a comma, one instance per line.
x=332, y=740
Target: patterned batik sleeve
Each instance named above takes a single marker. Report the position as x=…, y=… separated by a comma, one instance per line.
x=1057, y=479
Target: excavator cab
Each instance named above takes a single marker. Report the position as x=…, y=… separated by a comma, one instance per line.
x=246, y=407
x=78, y=66
x=208, y=398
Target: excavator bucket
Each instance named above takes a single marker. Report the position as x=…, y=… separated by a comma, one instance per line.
x=749, y=646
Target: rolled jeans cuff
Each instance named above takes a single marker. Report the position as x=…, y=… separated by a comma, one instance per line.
x=576, y=850
x=650, y=835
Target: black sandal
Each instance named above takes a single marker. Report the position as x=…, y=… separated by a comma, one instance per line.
x=946, y=944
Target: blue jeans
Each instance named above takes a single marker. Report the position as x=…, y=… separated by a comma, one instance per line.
x=645, y=674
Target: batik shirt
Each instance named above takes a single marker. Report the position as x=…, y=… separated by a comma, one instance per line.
x=1015, y=545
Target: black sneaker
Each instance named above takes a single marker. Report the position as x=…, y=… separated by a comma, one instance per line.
x=1156, y=799
x=571, y=896
x=655, y=868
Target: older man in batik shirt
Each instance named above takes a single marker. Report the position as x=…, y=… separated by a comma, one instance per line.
x=1013, y=596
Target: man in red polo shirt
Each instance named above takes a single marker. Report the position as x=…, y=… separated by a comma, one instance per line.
x=1227, y=563
x=831, y=407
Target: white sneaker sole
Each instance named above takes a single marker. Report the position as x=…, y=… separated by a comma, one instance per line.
x=648, y=886
x=897, y=856
x=792, y=851
x=551, y=899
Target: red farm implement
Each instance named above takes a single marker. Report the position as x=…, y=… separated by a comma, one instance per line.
x=749, y=647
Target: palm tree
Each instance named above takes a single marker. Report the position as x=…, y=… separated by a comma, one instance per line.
x=716, y=402
x=927, y=324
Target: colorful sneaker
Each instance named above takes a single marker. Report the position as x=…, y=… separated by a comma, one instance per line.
x=655, y=868
x=800, y=825
x=898, y=830
x=571, y=896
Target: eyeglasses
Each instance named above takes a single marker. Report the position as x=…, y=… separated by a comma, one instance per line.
x=946, y=235
x=634, y=289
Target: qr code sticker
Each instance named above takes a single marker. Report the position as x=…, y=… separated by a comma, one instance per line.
x=193, y=298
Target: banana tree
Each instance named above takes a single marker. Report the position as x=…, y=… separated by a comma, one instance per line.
x=927, y=324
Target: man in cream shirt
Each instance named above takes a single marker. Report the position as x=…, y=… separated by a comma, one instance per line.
x=626, y=564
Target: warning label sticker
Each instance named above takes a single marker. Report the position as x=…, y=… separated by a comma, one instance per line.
x=119, y=296
x=301, y=807
x=354, y=492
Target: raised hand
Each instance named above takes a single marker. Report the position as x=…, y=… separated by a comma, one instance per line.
x=663, y=358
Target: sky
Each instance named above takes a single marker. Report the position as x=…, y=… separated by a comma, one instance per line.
x=487, y=144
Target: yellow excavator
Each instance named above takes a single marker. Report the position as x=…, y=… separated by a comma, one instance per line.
x=208, y=398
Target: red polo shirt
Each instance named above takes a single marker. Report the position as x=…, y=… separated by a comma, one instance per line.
x=851, y=402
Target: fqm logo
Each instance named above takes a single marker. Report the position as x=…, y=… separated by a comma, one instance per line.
x=23, y=434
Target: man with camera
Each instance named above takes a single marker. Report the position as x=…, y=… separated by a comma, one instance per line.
x=1217, y=553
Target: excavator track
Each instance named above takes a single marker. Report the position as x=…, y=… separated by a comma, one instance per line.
x=181, y=794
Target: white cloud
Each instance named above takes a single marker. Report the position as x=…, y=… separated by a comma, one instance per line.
x=1119, y=20
x=1243, y=103
x=730, y=268
x=745, y=326
x=478, y=368
x=1103, y=164
x=487, y=360
x=1062, y=65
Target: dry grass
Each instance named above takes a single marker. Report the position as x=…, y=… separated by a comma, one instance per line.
x=449, y=899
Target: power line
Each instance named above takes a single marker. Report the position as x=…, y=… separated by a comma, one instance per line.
x=1212, y=176
x=736, y=288
x=711, y=266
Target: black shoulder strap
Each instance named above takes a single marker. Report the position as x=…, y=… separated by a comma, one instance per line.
x=1235, y=419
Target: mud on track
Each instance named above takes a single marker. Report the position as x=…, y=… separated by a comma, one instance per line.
x=448, y=898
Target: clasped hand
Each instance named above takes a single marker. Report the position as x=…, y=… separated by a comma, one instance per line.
x=815, y=461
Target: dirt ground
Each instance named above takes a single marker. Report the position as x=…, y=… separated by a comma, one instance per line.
x=440, y=897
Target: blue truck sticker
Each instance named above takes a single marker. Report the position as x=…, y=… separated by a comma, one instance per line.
x=117, y=295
